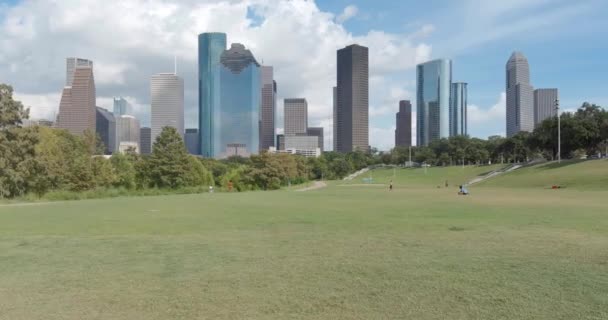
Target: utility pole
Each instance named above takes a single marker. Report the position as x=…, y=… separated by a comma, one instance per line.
x=559, y=133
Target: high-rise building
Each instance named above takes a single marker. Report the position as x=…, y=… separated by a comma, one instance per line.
x=210, y=48
x=122, y=107
x=317, y=132
x=127, y=133
x=433, y=85
x=236, y=124
x=403, y=131
x=544, y=104
x=145, y=140
x=334, y=122
x=106, y=129
x=352, y=108
x=520, y=95
x=191, y=138
x=268, y=108
x=71, y=65
x=295, y=116
x=458, y=109
x=167, y=103
x=280, y=142
x=77, y=109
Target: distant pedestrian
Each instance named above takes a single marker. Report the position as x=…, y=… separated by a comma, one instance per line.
x=230, y=186
x=390, y=186
x=446, y=184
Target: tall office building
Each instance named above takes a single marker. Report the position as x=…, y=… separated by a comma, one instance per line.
x=334, y=128
x=295, y=116
x=127, y=133
x=280, y=142
x=106, y=129
x=236, y=125
x=317, y=132
x=520, y=95
x=77, y=109
x=544, y=105
x=71, y=65
x=145, y=140
x=122, y=107
x=167, y=103
x=210, y=48
x=458, y=109
x=403, y=131
x=352, y=106
x=268, y=108
x=191, y=139
x=433, y=85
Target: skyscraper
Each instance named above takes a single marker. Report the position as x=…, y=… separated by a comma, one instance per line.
x=403, y=131
x=334, y=141
x=268, y=108
x=544, y=105
x=71, y=64
x=296, y=116
x=352, y=106
x=210, y=48
x=167, y=103
x=106, y=129
x=433, y=84
x=458, y=109
x=145, y=140
x=520, y=95
x=127, y=133
x=191, y=139
x=77, y=109
x=317, y=132
x=236, y=125
x=122, y=107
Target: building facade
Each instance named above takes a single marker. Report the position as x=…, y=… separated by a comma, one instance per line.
x=210, y=48
x=127, y=133
x=403, y=128
x=544, y=105
x=268, y=108
x=166, y=103
x=77, y=108
x=520, y=95
x=191, y=139
x=317, y=132
x=295, y=116
x=71, y=64
x=106, y=129
x=122, y=107
x=236, y=125
x=280, y=142
x=145, y=140
x=334, y=127
x=352, y=99
x=433, y=85
x=458, y=109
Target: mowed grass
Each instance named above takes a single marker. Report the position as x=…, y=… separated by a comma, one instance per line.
x=351, y=252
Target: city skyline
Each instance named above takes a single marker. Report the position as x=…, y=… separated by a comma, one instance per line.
x=392, y=76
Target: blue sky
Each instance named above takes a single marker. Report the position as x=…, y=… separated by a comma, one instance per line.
x=564, y=41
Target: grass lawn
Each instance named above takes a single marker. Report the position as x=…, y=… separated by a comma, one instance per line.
x=356, y=252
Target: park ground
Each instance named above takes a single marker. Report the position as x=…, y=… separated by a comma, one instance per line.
x=513, y=249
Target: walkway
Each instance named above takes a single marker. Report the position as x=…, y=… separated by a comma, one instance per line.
x=315, y=186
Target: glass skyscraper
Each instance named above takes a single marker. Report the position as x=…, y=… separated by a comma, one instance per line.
x=121, y=107
x=458, y=109
x=236, y=123
x=210, y=48
x=434, y=79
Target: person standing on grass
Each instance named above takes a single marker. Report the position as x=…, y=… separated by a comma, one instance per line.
x=390, y=186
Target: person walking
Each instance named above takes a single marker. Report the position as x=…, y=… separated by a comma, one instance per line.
x=390, y=186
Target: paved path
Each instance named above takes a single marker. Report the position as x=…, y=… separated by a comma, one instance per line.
x=315, y=186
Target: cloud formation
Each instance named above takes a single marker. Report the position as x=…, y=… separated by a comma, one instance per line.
x=348, y=13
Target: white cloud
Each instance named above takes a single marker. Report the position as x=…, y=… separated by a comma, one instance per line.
x=348, y=13
x=487, y=120
x=295, y=37
x=41, y=106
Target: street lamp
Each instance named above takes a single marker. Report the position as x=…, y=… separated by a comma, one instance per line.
x=559, y=133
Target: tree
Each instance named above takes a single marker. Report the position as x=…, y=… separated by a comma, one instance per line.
x=124, y=170
x=12, y=112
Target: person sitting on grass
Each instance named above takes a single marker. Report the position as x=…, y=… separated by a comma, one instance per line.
x=463, y=191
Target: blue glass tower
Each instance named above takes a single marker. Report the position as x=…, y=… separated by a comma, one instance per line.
x=236, y=124
x=458, y=109
x=210, y=48
x=434, y=79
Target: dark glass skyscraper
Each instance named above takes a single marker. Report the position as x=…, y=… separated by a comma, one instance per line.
x=434, y=79
x=106, y=129
x=403, y=131
x=351, y=120
x=458, y=109
x=236, y=123
x=210, y=48
x=268, y=108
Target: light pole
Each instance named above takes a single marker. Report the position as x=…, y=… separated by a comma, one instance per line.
x=559, y=133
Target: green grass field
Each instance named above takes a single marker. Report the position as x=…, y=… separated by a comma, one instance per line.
x=512, y=251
